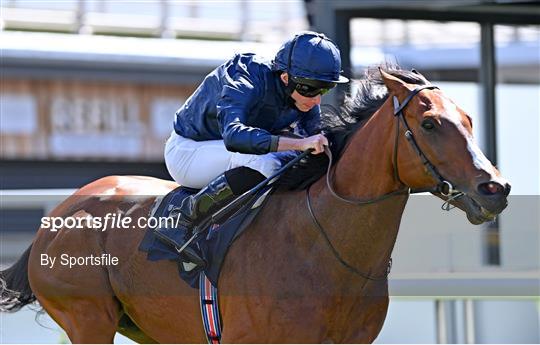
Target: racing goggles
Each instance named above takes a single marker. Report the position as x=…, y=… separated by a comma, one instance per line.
x=311, y=87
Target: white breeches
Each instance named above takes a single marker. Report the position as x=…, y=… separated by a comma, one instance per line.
x=195, y=163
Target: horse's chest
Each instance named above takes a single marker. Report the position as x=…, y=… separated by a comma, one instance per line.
x=354, y=319
x=298, y=319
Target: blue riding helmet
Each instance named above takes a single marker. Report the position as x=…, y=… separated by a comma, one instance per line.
x=310, y=56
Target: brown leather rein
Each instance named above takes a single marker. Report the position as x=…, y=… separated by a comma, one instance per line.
x=443, y=187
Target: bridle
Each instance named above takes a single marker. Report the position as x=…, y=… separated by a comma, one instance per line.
x=443, y=186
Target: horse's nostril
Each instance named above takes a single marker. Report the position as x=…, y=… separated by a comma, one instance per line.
x=491, y=188
x=507, y=189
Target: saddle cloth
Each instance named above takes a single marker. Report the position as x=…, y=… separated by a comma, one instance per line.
x=213, y=245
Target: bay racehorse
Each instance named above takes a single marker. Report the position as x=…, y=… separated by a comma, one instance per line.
x=312, y=267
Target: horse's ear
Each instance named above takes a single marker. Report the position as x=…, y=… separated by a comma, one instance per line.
x=394, y=85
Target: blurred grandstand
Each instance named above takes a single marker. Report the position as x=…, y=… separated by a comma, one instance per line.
x=89, y=88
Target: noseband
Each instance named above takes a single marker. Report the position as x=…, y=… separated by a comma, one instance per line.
x=443, y=187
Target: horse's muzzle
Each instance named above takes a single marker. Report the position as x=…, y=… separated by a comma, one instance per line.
x=487, y=201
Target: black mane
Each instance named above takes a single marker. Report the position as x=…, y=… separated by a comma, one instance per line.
x=339, y=124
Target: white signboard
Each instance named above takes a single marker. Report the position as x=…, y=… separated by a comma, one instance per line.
x=162, y=112
x=18, y=114
x=95, y=145
x=95, y=127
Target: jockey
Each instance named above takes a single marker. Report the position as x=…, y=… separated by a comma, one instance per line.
x=225, y=137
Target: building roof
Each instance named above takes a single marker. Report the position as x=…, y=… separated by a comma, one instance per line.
x=54, y=55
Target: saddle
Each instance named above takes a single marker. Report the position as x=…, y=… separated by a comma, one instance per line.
x=222, y=228
x=214, y=245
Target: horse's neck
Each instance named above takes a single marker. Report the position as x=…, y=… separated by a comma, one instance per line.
x=366, y=167
x=365, y=235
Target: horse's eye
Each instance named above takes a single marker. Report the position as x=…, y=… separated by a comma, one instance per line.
x=427, y=125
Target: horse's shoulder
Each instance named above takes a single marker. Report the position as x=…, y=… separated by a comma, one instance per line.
x=128, y=185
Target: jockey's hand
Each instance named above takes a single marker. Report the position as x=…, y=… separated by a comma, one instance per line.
x=315, y=142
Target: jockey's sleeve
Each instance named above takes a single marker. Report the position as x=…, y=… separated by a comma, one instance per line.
x=238, y=96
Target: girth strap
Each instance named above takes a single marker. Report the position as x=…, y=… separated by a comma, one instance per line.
x=209, y=310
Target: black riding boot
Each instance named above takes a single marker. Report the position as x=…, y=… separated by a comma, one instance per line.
x=211, y=198
x=196, y=207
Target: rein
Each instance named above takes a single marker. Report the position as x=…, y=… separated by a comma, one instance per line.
x=443, y=187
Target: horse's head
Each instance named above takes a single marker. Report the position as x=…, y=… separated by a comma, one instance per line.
x=442, y=131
